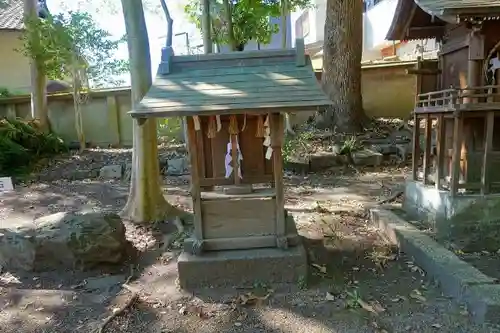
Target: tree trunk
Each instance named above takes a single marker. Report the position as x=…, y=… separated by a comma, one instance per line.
x=284, y=25
x=39, y=109
x=145, y=201
x=229, y=18
x=341, y=79
x=206, y=23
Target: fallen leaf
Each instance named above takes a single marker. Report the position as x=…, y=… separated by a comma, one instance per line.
x=416, y=294
x=320, y=268
x=436, y=325
x=237, y=324
x=366, y=306
x=329, y=297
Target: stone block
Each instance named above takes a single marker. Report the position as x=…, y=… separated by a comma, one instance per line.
x=367, y=157
x=242, y=267
x=111, y=172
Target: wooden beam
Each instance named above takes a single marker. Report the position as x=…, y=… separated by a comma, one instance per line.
x=424, y=71
x=277, y=130
x=440, y=158
x=416, y=147
x=195, y=179
x=300, y=56
x=488, y=147
x=456, y=157
x=434, y=31
x=427, y=151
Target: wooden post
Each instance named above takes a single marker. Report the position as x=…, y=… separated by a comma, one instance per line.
x=416, y=147
x=113, y=120
x=234, y=156
x=195, y=179
x=488, y=147
x=427, y=151
x=441, y=144
x=276, y=125
x=11, y=111
x=455, y=161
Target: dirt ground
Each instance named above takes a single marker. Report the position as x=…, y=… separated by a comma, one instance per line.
x=356, y=283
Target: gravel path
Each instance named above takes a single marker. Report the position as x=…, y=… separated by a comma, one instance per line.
x=357, y=283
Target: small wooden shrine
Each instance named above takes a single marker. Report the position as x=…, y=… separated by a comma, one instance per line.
x=233, y=103
x=458, y=96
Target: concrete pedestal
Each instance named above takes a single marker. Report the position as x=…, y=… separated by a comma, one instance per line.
x=242, y=267
x=439, y=208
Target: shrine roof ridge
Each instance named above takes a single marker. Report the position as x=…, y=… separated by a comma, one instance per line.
x=231, y=83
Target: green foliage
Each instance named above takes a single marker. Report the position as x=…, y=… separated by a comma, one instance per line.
x=4, y=92
x=295, y=143
x=60, y=43
x=22, y=143
x=251, y=19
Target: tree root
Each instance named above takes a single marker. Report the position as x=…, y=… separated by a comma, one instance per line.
x=391, y=198
x=119, y=312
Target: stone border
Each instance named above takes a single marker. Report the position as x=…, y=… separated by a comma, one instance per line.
x=456, y=278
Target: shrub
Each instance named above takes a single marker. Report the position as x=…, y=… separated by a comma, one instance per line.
x=22, y=143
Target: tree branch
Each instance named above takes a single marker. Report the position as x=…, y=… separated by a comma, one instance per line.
x=170, y=22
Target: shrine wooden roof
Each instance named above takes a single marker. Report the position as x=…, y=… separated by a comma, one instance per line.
x=230, y=83
x=420, y=19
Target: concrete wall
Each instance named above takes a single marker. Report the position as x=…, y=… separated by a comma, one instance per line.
x=387, y=92
x=14, y=67
x=105, y=118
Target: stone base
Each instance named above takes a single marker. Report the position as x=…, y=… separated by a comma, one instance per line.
x=425, y=202
x=242, y=267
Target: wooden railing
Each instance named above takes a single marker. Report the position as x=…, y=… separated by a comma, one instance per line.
x=469, y=98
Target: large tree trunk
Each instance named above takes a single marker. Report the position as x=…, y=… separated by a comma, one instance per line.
x=341, y=79
x=146, y=202
x=39, y=109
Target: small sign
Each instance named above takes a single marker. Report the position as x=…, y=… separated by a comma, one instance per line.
x=6, y=184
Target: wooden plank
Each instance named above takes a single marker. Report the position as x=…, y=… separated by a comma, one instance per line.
x=195, y=180
x=239, y=103
x=266, y=89
x=416, y=147
x=427, y=150
x=300, y=53
x=238, y=217
x=198, y=99
x=219, y=181
x=424, y=71
x=277, y=130
x=265, y=54
x=441, y=144
x=257, y=193
x=256, y=73
x=254, y=242
x=488, y=147
x=145, y=111
x=456, y=157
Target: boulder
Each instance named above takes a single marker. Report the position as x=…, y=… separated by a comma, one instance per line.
x=17, y=250
x=80, y=240
x=367, y=157
x=111, y=172
x=177, y=166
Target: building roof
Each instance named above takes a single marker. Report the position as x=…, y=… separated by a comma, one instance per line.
x=11, y=15
x=230, y=83
x=420, y=19
x=443, y=7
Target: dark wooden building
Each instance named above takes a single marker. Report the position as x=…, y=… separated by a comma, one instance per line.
x=458, y=99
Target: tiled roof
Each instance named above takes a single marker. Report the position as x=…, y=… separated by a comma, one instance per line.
x=440, y=6
x=11, y=16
